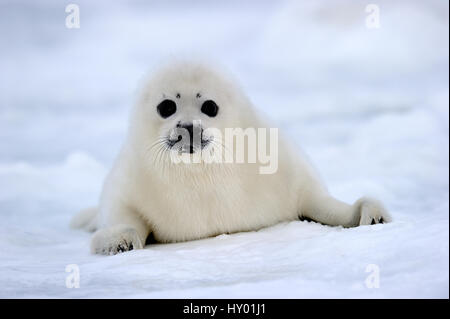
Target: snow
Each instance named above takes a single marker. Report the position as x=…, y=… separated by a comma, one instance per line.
x=369, y=106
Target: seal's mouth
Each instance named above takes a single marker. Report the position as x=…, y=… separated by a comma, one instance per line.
x=190, y=146
x=187, y=138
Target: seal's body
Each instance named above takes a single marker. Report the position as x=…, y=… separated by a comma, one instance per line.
x=148, y=192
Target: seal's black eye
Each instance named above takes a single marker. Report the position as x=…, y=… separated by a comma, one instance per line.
x=210, y=108
x=166, y=108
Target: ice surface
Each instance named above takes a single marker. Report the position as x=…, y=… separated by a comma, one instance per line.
x=369, y=106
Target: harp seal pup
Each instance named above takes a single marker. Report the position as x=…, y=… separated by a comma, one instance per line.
x=146, y=192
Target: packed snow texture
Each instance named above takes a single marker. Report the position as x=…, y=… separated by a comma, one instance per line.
x=369, y=106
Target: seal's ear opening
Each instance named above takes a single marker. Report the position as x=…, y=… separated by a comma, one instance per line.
x=210, y=108
x=166, y=108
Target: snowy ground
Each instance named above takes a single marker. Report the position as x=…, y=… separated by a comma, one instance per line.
x=369, y=106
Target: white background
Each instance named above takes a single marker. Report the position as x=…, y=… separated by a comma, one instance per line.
x=369, y=106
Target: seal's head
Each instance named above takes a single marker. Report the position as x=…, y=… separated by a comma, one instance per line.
x=184, y=108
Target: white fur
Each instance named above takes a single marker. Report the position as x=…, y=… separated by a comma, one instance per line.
x=146, y=193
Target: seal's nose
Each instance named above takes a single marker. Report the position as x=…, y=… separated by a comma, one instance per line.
x=192, y=130
x=189, y=127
